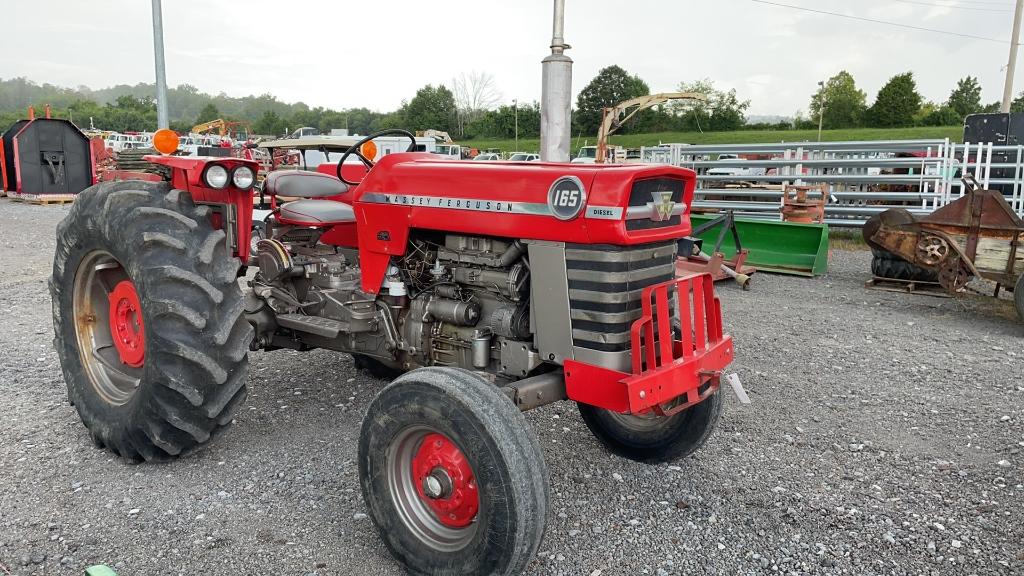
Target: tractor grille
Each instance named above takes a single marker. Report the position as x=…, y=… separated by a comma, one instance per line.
x=641, y=196
x=605, y=286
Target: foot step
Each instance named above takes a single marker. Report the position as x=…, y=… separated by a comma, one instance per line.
x=317, y=325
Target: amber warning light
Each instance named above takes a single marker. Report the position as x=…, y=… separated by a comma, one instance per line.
x=165, y=141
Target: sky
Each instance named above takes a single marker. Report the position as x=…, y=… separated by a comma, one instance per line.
x=376, y=53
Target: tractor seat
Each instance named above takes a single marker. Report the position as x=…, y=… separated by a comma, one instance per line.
x=303, y=184
x=317, y=212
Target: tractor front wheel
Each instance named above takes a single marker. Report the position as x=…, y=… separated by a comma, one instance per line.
x=452, y=477
x=148, y=319
x=651, y=438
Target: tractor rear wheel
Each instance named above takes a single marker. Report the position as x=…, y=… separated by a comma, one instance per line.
x=651, y=438
x=452, y=476
x=148, y=319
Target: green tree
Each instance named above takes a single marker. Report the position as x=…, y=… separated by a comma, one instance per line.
x=207, y=114
x=611, y=86
x=1018, y=104
x=966, y=97
x=720, y=111
x=270, y=124
x=839, y=103
x=431, y=108
x=932, y=114
x=501, y=123
x=896, y=104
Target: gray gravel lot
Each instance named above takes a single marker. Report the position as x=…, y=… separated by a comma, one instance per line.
x=885, y=437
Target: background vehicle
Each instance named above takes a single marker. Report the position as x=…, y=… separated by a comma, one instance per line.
x=495, y=287
x=523, y=157
x=487, y=156
x=733, y=170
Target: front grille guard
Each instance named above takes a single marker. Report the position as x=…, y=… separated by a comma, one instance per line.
x=673, y=368
x=657, y=340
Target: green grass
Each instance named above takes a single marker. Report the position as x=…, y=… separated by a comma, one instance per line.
x=954, y=133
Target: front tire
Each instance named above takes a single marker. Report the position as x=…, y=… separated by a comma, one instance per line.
x=651, y=438
x=452, y=477
x=148, y=319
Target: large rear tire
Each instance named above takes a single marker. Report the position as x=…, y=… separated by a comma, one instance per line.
x=148, y=319
x=655, y=439
x=452, y=476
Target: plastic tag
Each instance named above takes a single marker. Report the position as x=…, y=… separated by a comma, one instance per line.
x=737, y=388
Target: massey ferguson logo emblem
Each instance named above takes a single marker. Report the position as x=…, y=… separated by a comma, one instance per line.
x=662, y=205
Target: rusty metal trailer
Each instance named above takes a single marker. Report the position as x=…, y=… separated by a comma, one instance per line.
x=978, y=235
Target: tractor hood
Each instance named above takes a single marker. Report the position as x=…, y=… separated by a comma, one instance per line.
x=576, y=203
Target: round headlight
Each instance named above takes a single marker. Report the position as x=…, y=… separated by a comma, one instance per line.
x=216, y=176
x=243, y=177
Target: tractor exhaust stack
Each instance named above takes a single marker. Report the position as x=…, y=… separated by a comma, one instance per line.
x=556, y=95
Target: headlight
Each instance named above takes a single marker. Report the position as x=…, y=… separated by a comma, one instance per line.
x=243, y=177
x=216, y=176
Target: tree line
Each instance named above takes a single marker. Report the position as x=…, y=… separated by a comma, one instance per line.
x=470, y=107
x=840, y=104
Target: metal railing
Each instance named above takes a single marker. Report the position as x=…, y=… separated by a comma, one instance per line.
x=862, y=178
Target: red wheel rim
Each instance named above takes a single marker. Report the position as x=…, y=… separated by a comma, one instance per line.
x=445, y=482
x=126, y=329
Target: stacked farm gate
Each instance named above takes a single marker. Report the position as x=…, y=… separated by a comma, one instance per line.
x=45, y=160
x=861, y=178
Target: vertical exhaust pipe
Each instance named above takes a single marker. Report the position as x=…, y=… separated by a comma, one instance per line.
x=556, y=95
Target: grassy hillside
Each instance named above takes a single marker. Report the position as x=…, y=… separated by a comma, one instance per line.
x=740, y=137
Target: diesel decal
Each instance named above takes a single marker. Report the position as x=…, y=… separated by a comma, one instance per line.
x=604, y=212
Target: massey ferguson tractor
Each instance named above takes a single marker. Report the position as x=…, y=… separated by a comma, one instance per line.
x=493, y=287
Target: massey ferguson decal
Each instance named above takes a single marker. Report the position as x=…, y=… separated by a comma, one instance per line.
x=476, y=204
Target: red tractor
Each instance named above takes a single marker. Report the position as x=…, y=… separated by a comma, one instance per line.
x=493, y=287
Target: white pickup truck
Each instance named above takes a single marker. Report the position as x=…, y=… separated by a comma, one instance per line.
x=735, y=169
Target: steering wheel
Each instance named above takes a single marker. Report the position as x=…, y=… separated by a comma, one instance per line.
x=355, y=149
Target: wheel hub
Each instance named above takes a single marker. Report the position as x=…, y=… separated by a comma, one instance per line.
x=445, y=482
x=932, y=249
x=126, y=329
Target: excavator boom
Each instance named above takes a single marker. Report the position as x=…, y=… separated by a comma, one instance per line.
x=614, y=117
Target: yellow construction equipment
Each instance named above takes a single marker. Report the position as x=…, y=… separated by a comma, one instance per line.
x=222, y=127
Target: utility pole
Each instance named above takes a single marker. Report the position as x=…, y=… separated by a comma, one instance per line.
x=556, y=94
x=821, y=108
x=515, y=106
x=161, y=73
x=1011, y=66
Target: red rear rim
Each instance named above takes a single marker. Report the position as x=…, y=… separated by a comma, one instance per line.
x=444, y=481
x=126, y=329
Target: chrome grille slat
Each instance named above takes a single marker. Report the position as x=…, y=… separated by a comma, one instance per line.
x=606, y=284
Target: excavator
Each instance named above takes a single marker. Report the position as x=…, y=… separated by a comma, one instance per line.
x=223, y=127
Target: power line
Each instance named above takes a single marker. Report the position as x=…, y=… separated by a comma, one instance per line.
x=952, y=6
x=882, y=22
x=982, y=2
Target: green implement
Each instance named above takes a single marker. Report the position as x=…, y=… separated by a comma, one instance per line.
x=780, y=247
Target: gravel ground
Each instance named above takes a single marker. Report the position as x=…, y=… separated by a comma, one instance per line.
x=885, y=436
